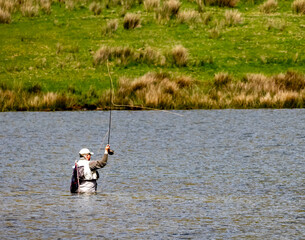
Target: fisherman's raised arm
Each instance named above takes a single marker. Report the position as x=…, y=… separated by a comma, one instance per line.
x=94, y=165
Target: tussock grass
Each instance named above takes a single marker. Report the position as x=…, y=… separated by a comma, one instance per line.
x=166, y=91
x=189, y=16
x=180, y=55
x=168, y=10
x=9, y=6
x=45, y=6
x=12, y=100
x=29, y=9
x=269, y=6
x=151, y=5
x=232, y=17
x=5, y=17
x=206, y=18
x=215, y=32
x=96, y=8
x=131, y=21
x=222, y=79
x=276, y=24
x=223, y=3
x=111, y=27
x=70, y=5
x=156, y=90
x=126, y=55
x=298, y=6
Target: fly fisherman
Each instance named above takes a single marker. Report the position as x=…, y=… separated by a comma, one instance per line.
x=87, y=170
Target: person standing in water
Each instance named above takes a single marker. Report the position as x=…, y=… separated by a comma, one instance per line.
x=87, y=170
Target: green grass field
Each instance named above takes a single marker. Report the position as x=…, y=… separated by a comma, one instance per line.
x=54, y=52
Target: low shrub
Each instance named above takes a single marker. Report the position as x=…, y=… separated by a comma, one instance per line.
x=298, y=6
x=131, y=21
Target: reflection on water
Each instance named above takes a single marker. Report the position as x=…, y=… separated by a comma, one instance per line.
x=227, y=174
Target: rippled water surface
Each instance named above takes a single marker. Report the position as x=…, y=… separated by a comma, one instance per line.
x=227, y=174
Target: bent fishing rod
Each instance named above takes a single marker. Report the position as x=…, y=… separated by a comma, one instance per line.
x=110, y=152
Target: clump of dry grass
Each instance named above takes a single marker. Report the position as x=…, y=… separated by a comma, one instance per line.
x=121, y=54
x=150, y=56
x=45, y=6
x=70, y=5
x=151, y=5
x=29, y=9
x=125, y=55
x=156, y=90
x=111, y=26
x=189, y=16
x=172, y=7
x=5, y=16
x=131, y=21
x=9, y=6
x=200, y=5
x=169, y=9
x=222, y=79
x=180, y=55
x=232, y=17
x=223, y=3
x=257, y=90
x=290, y=81
x=298, y=6
x=206, y=18
x=214, y=32
x=96, y=8
x=276, y=24
x=269, y=6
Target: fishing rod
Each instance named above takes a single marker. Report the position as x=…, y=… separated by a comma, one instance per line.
x=110, y=152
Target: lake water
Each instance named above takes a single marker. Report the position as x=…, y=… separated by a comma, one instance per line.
x=221, y=174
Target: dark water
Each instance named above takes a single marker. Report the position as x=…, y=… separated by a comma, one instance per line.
x=228, y=174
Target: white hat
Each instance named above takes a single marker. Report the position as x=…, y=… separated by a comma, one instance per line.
x=85, y=151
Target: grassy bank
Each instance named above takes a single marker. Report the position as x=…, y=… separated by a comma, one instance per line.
x=169, y=54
